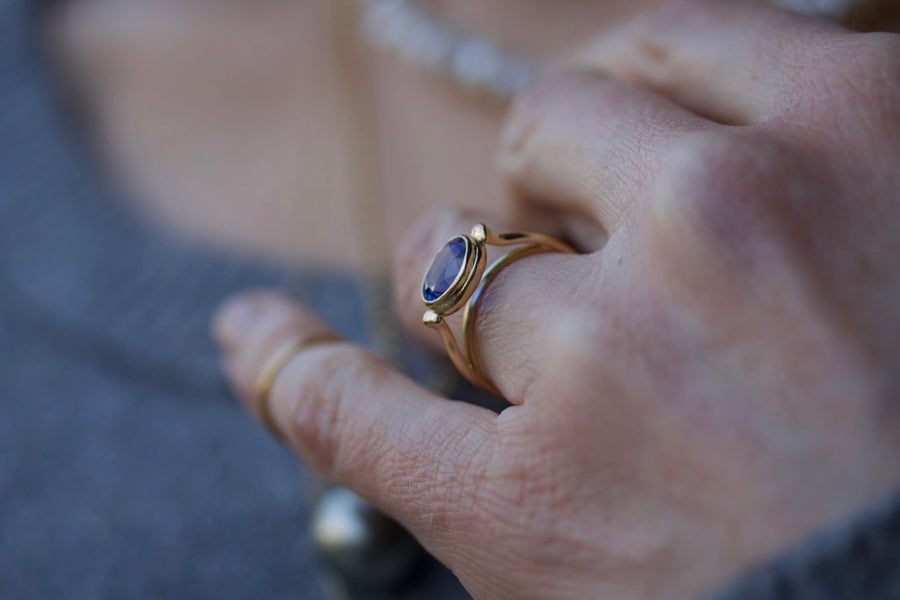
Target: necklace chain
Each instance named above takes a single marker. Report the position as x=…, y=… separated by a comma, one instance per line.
x=361, y=143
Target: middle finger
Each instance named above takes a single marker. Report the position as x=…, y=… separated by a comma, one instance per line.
x=515, y=316
x=584, y=144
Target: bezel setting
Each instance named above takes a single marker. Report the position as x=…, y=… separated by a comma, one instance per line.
x=461, y=289
x=470, y=279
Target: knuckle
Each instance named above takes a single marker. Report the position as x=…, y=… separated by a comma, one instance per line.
x=722, y=178
x=858, y=78
x=879, y=52
x=868, y=58
x=533, y=111
x=722, y=194
x=524, y=122
x=880, y=66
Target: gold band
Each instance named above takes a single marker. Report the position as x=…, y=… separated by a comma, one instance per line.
x=468, y=287
x=271, y=370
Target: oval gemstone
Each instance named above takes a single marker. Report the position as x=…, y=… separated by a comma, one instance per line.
x=444, y=269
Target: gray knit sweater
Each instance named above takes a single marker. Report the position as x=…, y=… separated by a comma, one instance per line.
x=126, y=469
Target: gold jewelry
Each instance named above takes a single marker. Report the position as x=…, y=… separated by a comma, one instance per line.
x=271, y=370
x=457, y=278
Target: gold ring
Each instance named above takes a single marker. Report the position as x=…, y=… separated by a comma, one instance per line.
x=271, y=370
x=458, y=277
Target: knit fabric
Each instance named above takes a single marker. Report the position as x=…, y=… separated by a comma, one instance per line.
x=856, y=560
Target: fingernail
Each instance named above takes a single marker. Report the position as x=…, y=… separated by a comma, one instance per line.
x=235, y=319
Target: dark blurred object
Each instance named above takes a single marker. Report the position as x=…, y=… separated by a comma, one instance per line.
x=864, y=15
x=362, y=544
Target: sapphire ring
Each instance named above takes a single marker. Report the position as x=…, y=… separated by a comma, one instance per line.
x=457, y=278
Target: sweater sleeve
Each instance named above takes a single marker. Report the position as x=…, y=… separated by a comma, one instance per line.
x=856, y=560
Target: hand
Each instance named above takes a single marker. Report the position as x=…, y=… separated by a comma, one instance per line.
x=715, y=377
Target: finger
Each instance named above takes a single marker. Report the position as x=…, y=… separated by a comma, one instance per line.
x=355, y=419
x=412, y=256
x=586, y=145
x=512, y=319
x=272, y=327
x=734, y=62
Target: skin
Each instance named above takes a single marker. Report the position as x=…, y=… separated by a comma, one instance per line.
x=711, y=380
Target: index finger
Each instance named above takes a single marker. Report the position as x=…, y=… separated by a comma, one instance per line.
x=358, y=421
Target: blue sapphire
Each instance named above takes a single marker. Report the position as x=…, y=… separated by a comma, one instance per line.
x=444, y=269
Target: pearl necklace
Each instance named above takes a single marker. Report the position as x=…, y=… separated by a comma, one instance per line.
x=474, y=62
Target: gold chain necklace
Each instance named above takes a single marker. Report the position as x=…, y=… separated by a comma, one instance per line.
x=360, y=142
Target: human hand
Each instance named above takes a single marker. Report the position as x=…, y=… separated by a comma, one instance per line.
x=710, y=381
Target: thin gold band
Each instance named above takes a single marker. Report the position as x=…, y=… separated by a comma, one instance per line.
x=273, y=367
x=467, y=361
x=470, y=314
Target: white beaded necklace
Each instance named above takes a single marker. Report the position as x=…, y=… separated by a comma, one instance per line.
x=469, y=60
x=473, y=61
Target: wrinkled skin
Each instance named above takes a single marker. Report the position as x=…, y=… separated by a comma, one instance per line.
x=712, y=379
